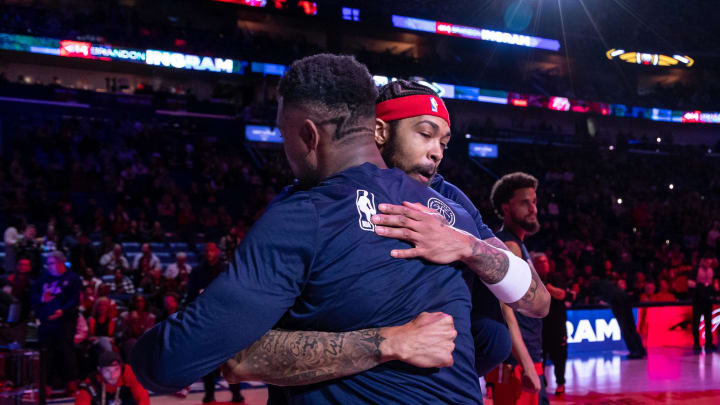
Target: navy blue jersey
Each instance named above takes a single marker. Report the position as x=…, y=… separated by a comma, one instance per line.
x=450, y=191
x=530, y=328
x=314, y=262
x=484, y=303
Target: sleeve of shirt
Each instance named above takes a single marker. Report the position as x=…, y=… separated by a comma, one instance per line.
x=139, y=393
x=83, y=398
x=271, y=268
x=454, y=193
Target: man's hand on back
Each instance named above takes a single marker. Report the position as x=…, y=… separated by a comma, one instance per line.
x=427, y=341
x=428, y=231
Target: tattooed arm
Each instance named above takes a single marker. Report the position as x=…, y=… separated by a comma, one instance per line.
x=436, y=241
x=287, y=358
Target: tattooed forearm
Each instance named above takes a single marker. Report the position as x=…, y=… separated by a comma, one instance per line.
x=536, y=301
x=489, y=263
x=494, y=241
x=299, y=357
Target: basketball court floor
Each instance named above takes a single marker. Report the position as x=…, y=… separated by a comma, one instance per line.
x=666, y=376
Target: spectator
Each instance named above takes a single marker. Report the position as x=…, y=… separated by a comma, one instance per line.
x=121, y=284
x=145, y=261
x=119, y=221
x=153, y=285
x=21, y=289
x=185, y=216
x=83, y=255
x=89, y=280
x=114, y=260
x=229, y=242
x=179, y=267
x=11, y=238
x=112, y=383
x=135, y=322
x=664, y=294
x=87, y=300
x=166, y=212
x=206, y=272
x=102, y=324
x=648, y=292
x=30, y=247
x=702, y=285
x=157, y=234
x=170, y=305
x=55, y=300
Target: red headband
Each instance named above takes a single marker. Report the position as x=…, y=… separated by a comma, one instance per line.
x=412, y=106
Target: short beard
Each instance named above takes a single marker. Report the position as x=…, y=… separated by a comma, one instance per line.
x=389, y=154
x=530, y=227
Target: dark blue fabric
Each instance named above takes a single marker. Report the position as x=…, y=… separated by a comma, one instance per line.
x=450, y=191
x=531, y=328
x=308, y=265
x=490, y=333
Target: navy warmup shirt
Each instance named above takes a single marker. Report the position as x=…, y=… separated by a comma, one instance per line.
x=450, y=191
x=313, y=262
x=530, y=328
x=487, y=335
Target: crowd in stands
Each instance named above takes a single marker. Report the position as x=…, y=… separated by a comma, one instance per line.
x=144, y=211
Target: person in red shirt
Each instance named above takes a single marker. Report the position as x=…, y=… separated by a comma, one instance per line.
x=113, y=383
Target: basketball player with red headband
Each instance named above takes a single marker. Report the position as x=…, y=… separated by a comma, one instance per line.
x=412, y=131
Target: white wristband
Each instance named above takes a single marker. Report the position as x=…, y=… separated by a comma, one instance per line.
x=516, y=281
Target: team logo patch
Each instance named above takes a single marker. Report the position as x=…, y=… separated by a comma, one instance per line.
x=443, y=209
x=365, y=202
x=433, y=104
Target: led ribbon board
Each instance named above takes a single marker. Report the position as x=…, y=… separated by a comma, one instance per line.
x=482, y=34
x=654, y=59
x=176, y=60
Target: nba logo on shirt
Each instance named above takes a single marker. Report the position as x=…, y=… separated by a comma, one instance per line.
x=433, y=104
x=365, y=202
x=443, y=209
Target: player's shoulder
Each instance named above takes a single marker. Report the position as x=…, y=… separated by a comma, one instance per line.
x=290, y=200
x=449, y=190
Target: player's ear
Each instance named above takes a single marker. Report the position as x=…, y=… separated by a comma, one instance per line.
x=310, y=135
x=505, y=208
x=382, y=132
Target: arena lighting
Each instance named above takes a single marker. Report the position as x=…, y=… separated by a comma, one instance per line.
x=262, y=133
x=175, y=60
x=559, y=104
x=250, y=3
x=183, y=61
x=619, y=201
x=655, y=59
x=659, y=139
x=308, y=7
x=611, y=147
x=75, y=49
x=482, y=34
x=671, y=186
x=483, y=150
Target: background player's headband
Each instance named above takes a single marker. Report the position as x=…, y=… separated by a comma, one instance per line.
x=411, y=106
